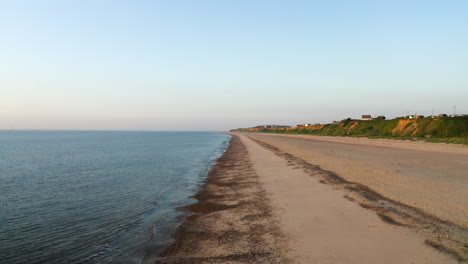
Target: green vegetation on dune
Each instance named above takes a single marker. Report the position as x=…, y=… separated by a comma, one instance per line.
x=361, y=128
x=441, y=129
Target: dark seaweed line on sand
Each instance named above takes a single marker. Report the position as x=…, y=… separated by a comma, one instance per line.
x=391, y=211
x=231, y=188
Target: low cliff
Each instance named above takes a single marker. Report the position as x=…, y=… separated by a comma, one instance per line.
x=435, y=128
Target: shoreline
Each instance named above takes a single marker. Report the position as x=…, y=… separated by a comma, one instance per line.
x=150, y=253
x=239, y=219
x=232, y=220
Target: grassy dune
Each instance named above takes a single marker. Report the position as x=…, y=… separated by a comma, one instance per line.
x=441, y=129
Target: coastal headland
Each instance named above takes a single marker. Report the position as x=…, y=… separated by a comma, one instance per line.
x=282, y=199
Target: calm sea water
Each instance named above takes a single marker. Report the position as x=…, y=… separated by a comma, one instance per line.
x=97, y=197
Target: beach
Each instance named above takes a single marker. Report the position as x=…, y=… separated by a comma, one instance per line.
x=233, y=221
x=280, y=199
x=430, y=176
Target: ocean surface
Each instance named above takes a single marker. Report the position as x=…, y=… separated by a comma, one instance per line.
x=97, y=197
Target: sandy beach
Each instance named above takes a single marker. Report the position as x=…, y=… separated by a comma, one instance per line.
x=267, y=200
x=429, y=176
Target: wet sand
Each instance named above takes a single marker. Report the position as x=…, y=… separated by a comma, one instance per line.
x=233, y=220
x=263, y=205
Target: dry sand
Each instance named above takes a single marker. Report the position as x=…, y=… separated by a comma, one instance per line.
x=432, y=177
x=388, y=143
x=323, y=227
x=263, y=205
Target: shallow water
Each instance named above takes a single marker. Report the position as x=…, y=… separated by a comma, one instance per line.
x=97, y=197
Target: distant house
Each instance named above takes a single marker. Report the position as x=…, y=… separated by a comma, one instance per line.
x=442, y=115
x=415, y=116
x=366, y=117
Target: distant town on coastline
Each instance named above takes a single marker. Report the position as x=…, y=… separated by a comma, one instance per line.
x=446, y=128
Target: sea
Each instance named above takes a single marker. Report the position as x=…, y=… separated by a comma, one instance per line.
x=98, y=196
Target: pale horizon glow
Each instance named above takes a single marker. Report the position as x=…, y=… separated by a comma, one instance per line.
x=218, y=65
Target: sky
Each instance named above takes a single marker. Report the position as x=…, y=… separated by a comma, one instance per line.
x=218, y=65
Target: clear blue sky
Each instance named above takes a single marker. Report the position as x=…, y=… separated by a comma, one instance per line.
x=216, y=65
